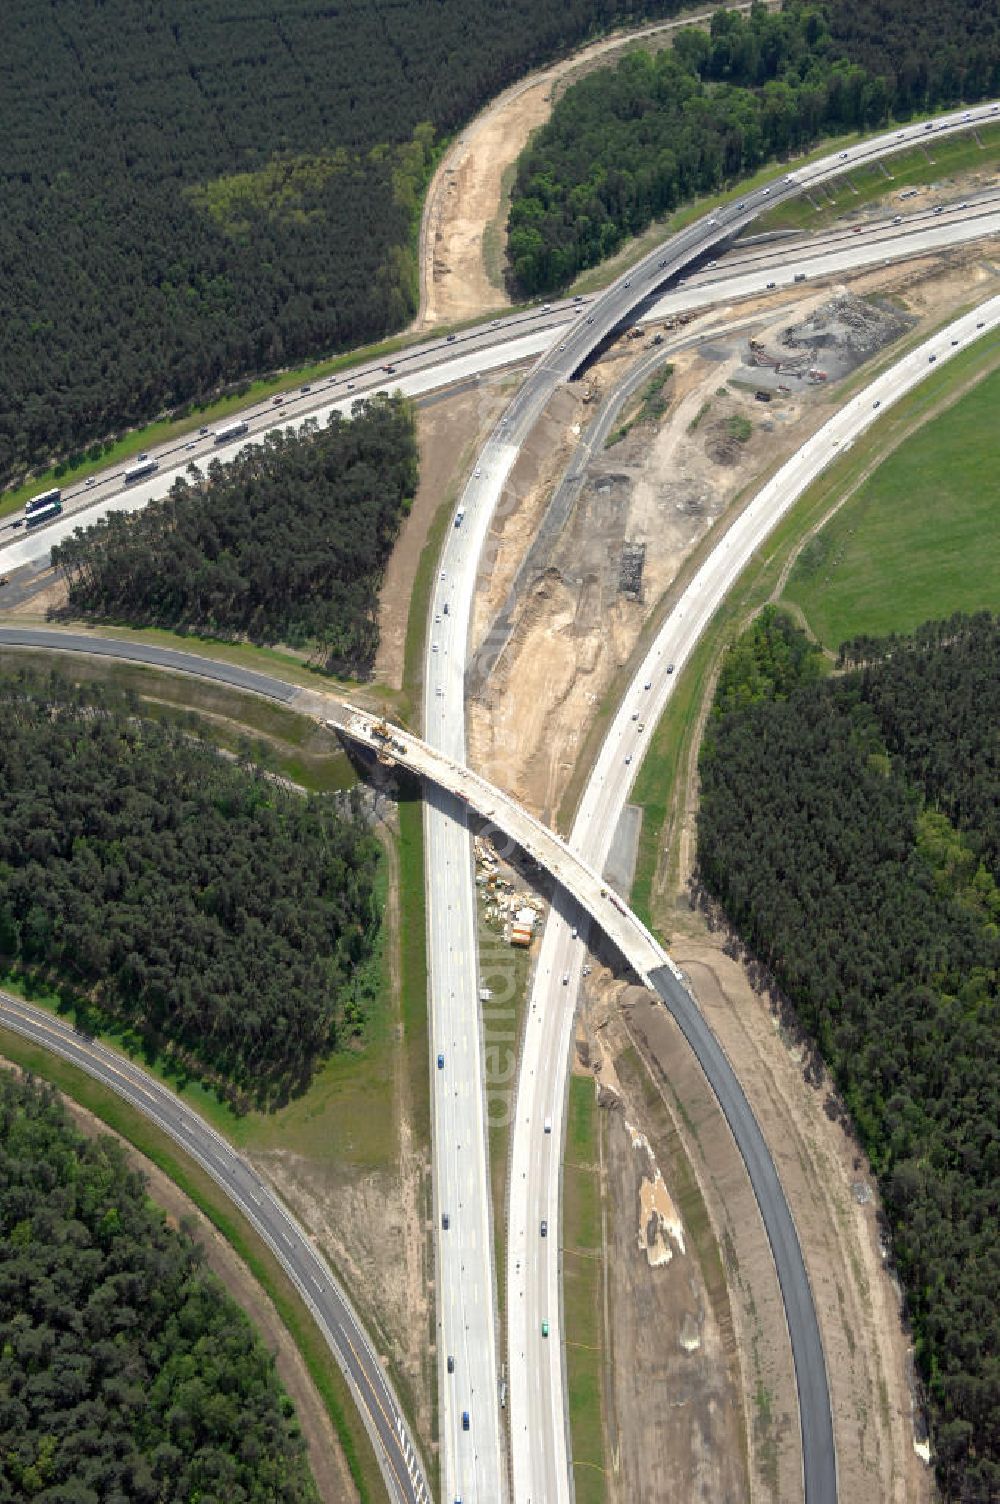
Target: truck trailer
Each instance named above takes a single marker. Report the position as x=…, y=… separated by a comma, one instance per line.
x=140, y=470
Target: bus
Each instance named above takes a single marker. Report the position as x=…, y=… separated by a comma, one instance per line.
x=46, y=513
x=231, y=431
x=43, y=499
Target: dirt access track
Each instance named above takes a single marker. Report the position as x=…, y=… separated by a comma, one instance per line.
x=464, y=220
x=707, y=1340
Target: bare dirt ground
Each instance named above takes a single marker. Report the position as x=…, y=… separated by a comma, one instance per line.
x=326, y=1460
x=450, y=428
x=51, y=597
x=676, y=1420
x=373, y=1226
x=661, y=492
x=468, y=195
x=830, y=1191
x=665, y=487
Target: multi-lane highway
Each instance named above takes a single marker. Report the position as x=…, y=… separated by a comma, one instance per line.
x=743, y=272
x=536, y=1387
x=288, y=1241
x=536, y=1366
x=473, y=1455
x=444, y=724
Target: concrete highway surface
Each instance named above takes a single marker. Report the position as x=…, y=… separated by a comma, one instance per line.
x=744, y=271
x=536, y=1363
x=291, y=1245
x=473, y=1456
x=541, y=1433
x=537, y=1381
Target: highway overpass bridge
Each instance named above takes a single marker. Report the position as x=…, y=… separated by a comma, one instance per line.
x=646, y=957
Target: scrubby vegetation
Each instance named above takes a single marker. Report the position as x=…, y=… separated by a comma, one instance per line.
x=627, y=145
x=286, y=543
x=191, y=193
x=848, y=826
x=126, y=1371
x=188, y=900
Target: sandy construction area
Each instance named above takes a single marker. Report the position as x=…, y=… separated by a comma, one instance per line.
x=463, y=228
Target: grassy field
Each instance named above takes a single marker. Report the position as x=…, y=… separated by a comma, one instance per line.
x=931, y=162
x=582, y=1292
x=918, y=540
x=203, y=1191
x=660, y=783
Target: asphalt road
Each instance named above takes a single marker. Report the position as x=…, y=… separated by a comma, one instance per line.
x=533, y=1269
x=537, y=1432
x=452, y=937
x=432, y=367
x=289, y=1242
x=156, y=657
x=537, y=1378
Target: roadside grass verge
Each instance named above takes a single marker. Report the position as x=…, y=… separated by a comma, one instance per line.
x=660, y=784
x=101, y=454
x=595, y=278
x=283, y=663
x=918, y=539
x=411, y=699
x=868, y=185
x=210, y=1200
x=582, y=1257
x=413, y=967
x=331, y=1122
x=506, y=970
x=282, y=740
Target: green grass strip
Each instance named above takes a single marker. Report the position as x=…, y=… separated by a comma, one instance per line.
x=583, y=1303
x=918, y=540
x=862, y=186
x=660, y=785
x=210, y=1200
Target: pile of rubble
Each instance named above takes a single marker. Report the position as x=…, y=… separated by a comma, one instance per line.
x=516, y=910
x=847, y=330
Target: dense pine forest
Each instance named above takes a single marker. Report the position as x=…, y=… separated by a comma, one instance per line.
x=222, y=921
x=286, y=543
x=627, y=145
x=126, y=1370
x=862, y=871
x=192, y=191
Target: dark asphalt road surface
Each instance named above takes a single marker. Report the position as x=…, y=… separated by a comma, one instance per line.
x=156, y=657
x=818, y=1454
x=819, y=1458
x=290, y=1244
